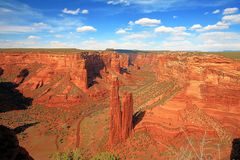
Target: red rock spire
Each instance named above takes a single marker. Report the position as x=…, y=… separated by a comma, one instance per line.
x=115, y=113
x=127, y=114
x=120, y=121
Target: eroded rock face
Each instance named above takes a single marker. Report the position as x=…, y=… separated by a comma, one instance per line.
x=127, y=115
x=115, y=113
x=115, y=63
x=45, y=73
x=120, y=120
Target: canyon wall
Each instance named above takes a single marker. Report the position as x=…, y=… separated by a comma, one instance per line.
x=217, y=78
x=59, y=78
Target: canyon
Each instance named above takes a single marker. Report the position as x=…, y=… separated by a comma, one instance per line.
x=145, y=105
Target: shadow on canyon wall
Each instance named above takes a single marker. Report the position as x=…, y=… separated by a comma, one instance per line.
x=22, y=128
x=10, y=97
x=235, y=153
x=94, y=64
x=22, y=75
x=1, y=71
x=10, y=148
x=137, y=117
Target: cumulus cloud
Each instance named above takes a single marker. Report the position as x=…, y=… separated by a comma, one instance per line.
x=196, y=27
x=232, y=19
x=219, y=41
x=230, y=11
x=35, y=27
x=72, y=12
x=40, y=25
x=216, y=11
x=131, y=23
x=121, y=31
x=176, y=32
x=33, y=37
x=163, y=29
x=218, y=26
x=148, y=22
x=85, y=11
x=86, y=29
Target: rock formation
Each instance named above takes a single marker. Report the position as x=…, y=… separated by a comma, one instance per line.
x=115, y=113
x=115, y=63
x=120, y=120
x=79, y=76
x=127, y=115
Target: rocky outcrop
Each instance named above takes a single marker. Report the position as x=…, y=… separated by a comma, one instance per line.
x=80, y=70
x=127, y=115
x=120, y=120
x=115, y=113
x=115, y=63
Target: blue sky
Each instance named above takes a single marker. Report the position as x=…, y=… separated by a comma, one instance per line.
x=206, y=25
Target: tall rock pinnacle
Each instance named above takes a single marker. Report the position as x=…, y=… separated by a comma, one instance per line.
x=127, y=114
x=120, y=120
x=115, y=113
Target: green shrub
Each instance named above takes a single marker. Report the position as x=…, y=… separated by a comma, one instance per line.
x=71, y=155
x=105, y=156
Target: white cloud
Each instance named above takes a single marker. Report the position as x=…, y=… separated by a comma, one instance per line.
x=115, y=2
x=216, y=11
x=215, y=36
x=33, y=37
x=131, y=23
x=232, y=19
x=72, y=12
x=5, y=10
x=175, y=17
x=148, y=22
x=230, y=11
x=85, y=11
x=59, y=36
x=219, y=41
x=163, y=29
x=149, y=6
x=196, y=27
x=40, y=25
x=86, y=29
x=121, y=31
x=218, y=26
x=16, y=29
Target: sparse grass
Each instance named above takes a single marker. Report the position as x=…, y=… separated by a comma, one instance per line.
x=105, y=156
x=232, y=55
x=70, y=155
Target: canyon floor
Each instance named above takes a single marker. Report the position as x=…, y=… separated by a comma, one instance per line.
x=186, y=105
